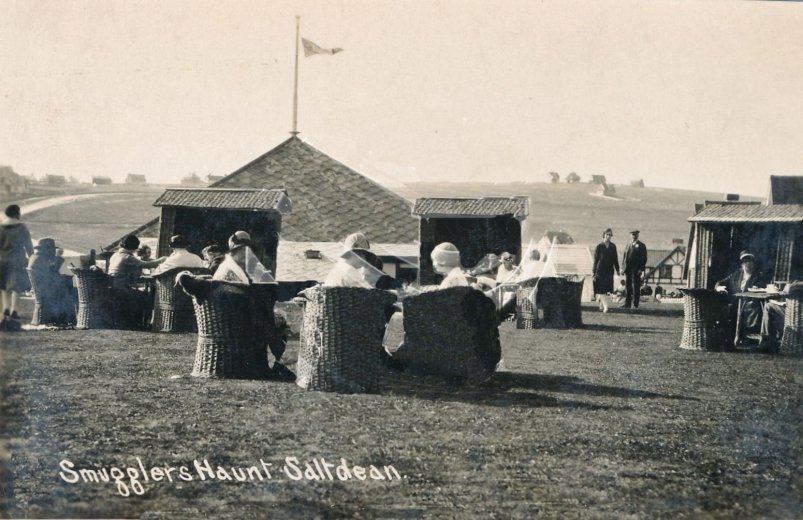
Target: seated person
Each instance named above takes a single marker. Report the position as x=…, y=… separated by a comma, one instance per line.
x=125, y=267
x=241, y=263
x=125, y=270
x=179, y=257
x=740, y=281
x=533, y=267
x=213, y=257
x=446, y=261
x=143, y=252
x=358, y=267
x=54, y=290
x=506, y=270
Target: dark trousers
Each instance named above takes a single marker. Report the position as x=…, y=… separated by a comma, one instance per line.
x=632, y=288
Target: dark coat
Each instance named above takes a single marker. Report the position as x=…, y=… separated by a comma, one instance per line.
x=606, y=261
x=751, y=309
x=15, y=248
x=635, y=258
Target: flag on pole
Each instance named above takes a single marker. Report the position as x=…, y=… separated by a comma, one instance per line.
x=311, y=48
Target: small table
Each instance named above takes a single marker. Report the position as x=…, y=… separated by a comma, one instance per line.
x=761, y=296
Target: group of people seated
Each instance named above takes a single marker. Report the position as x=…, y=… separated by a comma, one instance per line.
x=766, y=318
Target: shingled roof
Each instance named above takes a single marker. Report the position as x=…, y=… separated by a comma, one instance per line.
x=516, y=206
x=330, y=200
x=730, y=212
x=221, y=198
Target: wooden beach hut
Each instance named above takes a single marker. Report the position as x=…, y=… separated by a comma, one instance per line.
x=477, y=226
x=212, y=215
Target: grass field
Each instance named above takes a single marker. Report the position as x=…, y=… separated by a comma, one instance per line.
x=609, y=421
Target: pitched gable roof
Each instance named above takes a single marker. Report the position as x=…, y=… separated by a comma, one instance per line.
x=221, y=198
x=330, y=200
x=518, y=206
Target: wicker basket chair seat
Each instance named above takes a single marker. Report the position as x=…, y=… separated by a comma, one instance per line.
x=233, y=328
x=547, y=296
x=341, y=339
x=571, y=296
x=792, y=340
x=705, y=320
x=173, y=310
x=453, y=333
x=95, y=299
x=53, y=299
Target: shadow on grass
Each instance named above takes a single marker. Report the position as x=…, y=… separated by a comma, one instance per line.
x=512, y=389
x=621, y=328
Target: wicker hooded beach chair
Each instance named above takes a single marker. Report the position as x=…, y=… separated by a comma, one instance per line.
x=549, y=295
x=341, y=338
x=452, y=333
x=571, y=295
x=53, y=300
x=792, y=340
x=705, y=320
x=235, y=324
x=173, y=310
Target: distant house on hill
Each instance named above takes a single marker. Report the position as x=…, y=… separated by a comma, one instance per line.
x=55, y=180
x=101, y=181
x=135, y=178
x=638, y=183
x=597, y=179
x=10, y=182
x=192, y=180
x=330, y=201
x=785, y=190
x=606, y=190
x=572, y=178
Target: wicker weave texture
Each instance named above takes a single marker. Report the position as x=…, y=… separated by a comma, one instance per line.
x=173, y=310
x=231, y=332
x=52, y=301
x=95, y=309
x=705, y=320
x=452, y=332
x=550, y=294
x=792, y=340
x=341, y=338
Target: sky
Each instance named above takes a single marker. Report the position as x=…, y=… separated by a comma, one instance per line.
x=694, y=95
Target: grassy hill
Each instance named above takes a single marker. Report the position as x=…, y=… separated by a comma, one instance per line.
x=660, y=214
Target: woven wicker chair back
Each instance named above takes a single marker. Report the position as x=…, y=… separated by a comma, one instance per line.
x=705, y=320
x=452, y=333
x=173, y=310
x=233, y=328
x=550, y=293
x=53, y=303
x=95, y=299
x=341, y=339
x=792, y=339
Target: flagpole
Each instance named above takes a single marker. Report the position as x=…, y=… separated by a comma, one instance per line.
x=295, y=85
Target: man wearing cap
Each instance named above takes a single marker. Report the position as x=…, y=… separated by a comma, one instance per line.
x=744, y=278
x=634, y=262
x=179, y=257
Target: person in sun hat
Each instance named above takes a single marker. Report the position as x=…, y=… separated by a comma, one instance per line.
x=633, y=264
x=179, y=256
x=241, y=264
x=741, y=280
x=213, y=256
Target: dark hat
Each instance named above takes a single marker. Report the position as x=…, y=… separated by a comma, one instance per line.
x=12, y=211
x=130, y=242
x=45, y=243
x=634, y=232
x=609, y=230
x=239, y=239
x=746, y=255
x=179, y=241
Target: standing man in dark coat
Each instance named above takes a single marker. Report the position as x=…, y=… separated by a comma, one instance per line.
x=634, y=262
